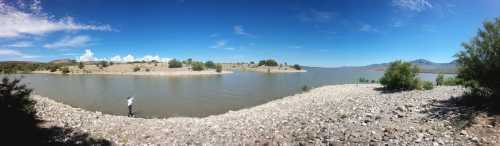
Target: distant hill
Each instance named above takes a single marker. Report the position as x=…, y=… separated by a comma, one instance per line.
x=63, y=61
x=425, y=66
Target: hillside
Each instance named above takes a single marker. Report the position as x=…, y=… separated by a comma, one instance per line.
x=425, y=66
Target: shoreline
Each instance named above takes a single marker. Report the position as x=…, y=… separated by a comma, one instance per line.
x=153, y=73
x=334, y=114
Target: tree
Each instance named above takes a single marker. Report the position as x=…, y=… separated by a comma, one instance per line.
x=81, y=65
x=261, y=63
x=174, y=64
x=401, y=76
x=136, y=69
x=479, y=63
x=297, y=67
x=440, y=79
x=218, y=68
x=269, y=62
x=53, y=68
x=103, y=64
x=197, y=66
x=210, y=64
x=65, y=70
x=17, y=109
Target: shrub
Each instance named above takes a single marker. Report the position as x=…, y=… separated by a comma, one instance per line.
x=210, y=64
x=53, y=68
x=269, y=62
x=363, y=80
x=400, y=76
x=297, y=67
x=103, y=64
x=479, y=63
x=81, y=65
x=440, y=79
x=218, y=68
x=197, y=66
x=174, y=64
x=305, y=88
x=136, y=69
x=147, y=69
x=452, y=81
x=427, y=85
x=17, y=110
x=65, y=70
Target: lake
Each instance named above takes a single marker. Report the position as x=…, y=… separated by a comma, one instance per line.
x=187, y=96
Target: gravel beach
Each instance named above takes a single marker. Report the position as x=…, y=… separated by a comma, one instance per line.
x=338, y=114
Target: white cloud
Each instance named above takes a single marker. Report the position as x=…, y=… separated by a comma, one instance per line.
x=368, y=28
x=220, y=44
x=88, y=56
x=22, y=44
x=316, y=16
x=18, y=23
x=213, y=35
x=128, y=58
x=412, y=5
x=238, y=29
x=8, y=52
x=69, y=42
x=116, y=58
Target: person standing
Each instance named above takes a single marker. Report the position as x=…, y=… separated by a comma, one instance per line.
x=130, y=102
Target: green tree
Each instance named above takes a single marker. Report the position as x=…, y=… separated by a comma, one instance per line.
x=297, y=67
x=103, y=64
x=197, y=66
x=65, y=70
x=174, y=64
x=218, y=68
x=440, y=79
x=210, y=64
x=400, y=76
x=136, y=69
x=479, y=63
x=81, y=65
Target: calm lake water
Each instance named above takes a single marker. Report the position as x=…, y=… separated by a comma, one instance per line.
x=191, y=96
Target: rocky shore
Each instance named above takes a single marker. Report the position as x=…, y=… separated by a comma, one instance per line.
x=338, y=114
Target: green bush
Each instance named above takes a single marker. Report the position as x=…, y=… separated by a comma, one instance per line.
x=81, y=65
x=440, y=79
x=427, y=85
x=197, y=66
x=400, y=76
x=305, y=88
x=363, y=80
x=65, y=70
x=53, y=68
x=210, y=64
x=479, y=63
x=148, y=70
x=297, y=67
x=174, y=64
x=136, y=69
x=269, y=62
x=103, y=64
x=452, y=81
x=218, y=68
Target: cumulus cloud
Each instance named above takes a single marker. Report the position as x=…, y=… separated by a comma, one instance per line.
x=17, y=22
x=88, y=55
x=69, y=42
x=412, y=5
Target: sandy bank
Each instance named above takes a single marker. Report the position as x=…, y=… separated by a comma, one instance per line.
x=337, y=114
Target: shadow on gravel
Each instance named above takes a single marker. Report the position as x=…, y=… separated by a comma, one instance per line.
x=384, y=90
x=461, y=111
x=29, y=133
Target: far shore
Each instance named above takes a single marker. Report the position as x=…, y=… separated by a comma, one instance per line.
x=153, y=73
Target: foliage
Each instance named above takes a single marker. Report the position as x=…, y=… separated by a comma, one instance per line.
x=452, y=81
x=53, y=68
x=24, y=67
x=251, y=62
x=148, y=70
x=297, y=67
x=81, y=65
x=269, y=62
x=363, y=80
x=479, y=63
x=218, y=68
x=65, y=70
x=305, y=88
x=197, y=66
x=210, y=64
x=427, y=85
x=136, y=69
x=440, y=79
x=400, y=76
x=103, y=64
x=174, y=64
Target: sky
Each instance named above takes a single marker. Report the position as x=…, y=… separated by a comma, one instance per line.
x=324, y=33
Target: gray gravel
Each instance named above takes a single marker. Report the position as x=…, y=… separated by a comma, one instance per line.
x=338, y=114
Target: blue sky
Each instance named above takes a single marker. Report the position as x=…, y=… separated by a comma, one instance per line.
x=325, y=33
